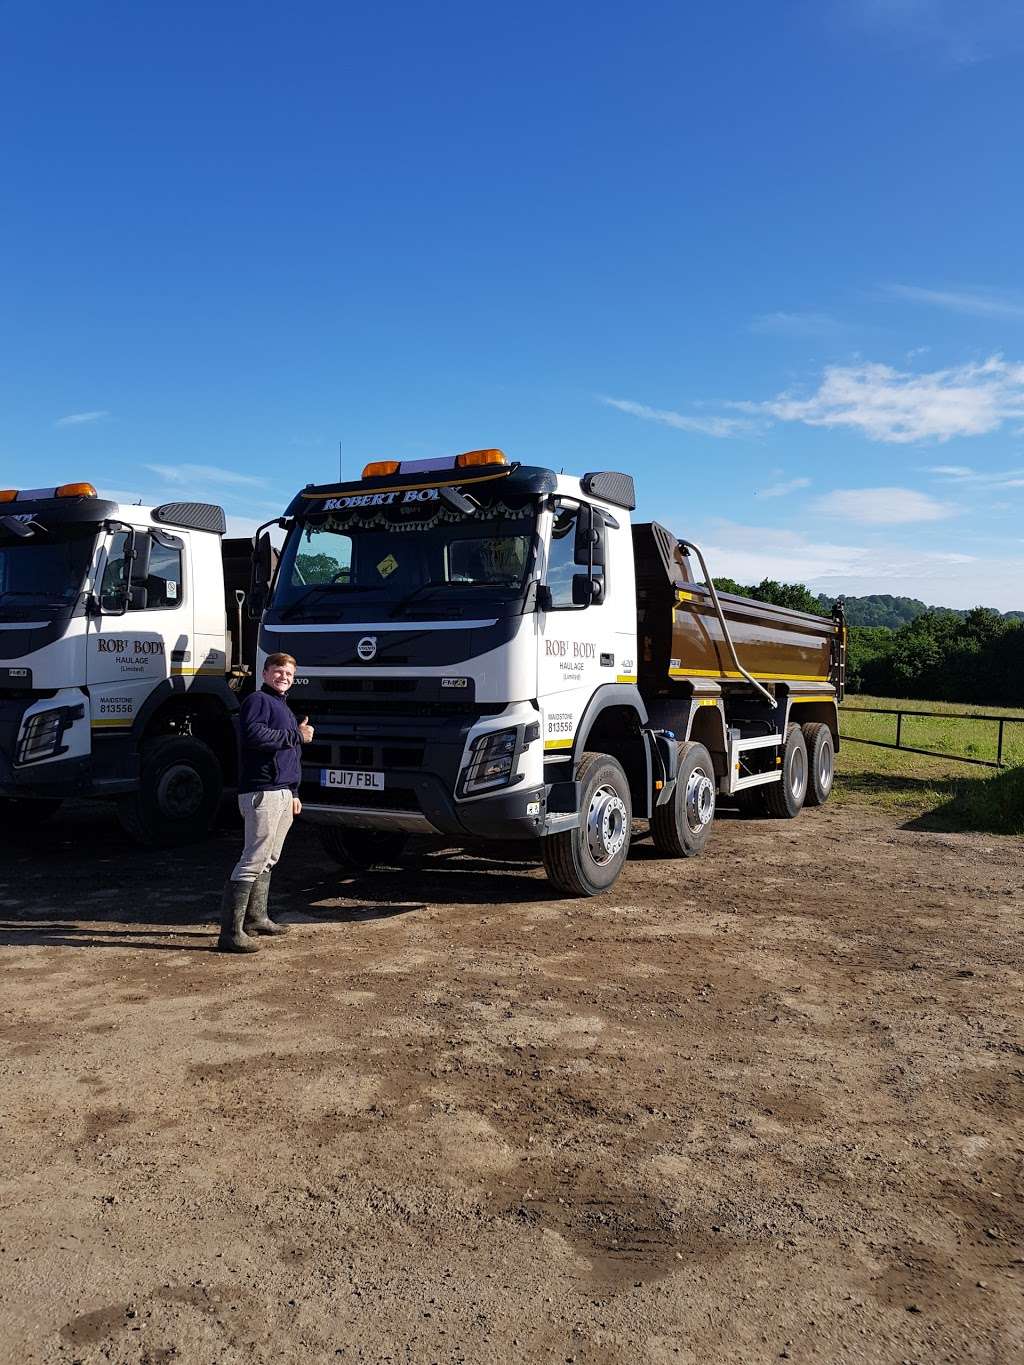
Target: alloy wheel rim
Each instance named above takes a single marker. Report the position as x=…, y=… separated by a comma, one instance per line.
x=700, y=800
x=179, y=792
x=798, y=773
x=825, y=768
x=606, y=824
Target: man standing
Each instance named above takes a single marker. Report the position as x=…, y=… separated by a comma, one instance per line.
x=268, y=786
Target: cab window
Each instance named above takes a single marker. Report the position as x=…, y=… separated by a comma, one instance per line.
x=562, y=556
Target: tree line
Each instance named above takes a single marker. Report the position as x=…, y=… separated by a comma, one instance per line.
x=972, y=657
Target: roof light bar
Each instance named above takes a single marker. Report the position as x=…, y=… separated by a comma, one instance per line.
x=442, y=464
x=64, y=490
x=472, y=458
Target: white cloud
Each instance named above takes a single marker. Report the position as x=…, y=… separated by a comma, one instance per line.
x=984, y=303
x=795, y=325
x=893, y=406
x=80, y=419
x=882, y=506
x=204, y=473
x=948, y=31
x=779, y=490
x=965, y=476
x=950, y=579
x=706, y=426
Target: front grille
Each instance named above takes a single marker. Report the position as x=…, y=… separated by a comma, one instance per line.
x=370, y=684
x=355, y=707
x=392, y=798
x=405, y=755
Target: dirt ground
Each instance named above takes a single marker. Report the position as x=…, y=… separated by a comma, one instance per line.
x=762, y=1105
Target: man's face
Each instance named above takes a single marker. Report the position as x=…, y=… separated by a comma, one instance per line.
x=279, y=676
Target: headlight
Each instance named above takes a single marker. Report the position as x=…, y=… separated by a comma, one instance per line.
x=44, y=732
x=491, y=763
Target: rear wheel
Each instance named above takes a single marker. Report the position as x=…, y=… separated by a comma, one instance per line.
x=681, y=827
x=785, y=799
x=180, y=786
x=587, y=860
x=357, y=850
x=821, y=762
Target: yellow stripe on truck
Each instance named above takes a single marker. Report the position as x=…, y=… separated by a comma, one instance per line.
x=626, y=678
x=761, y=677
x=558, y=744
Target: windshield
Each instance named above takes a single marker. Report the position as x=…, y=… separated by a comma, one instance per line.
x=424, y=558
x=43, y=571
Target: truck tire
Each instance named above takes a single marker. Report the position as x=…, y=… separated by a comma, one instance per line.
x=821, y=762
x=180, y=787
x=785, y=799
x=17, y=816
x=357, y=850
x=587, y=860
x=681, y=827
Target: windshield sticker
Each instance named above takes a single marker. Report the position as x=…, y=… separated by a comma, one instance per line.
x=405, y=519
x=380, y=499
x=387, y=566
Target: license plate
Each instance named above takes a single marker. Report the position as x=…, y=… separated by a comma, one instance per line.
x=350, y=777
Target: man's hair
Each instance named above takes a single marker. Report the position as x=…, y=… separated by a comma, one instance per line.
x=277, y=661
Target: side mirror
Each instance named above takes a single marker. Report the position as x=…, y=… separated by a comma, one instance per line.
x=589, y=543
x=138, y=597
x=586, y=591
x=140, y=563
x=262, y=571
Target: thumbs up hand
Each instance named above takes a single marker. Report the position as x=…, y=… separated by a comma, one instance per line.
x=305, y=730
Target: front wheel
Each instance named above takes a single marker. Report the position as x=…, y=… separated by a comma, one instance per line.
x=357, y=850
x=180, y=786
x=587, y=860
x=681, y=827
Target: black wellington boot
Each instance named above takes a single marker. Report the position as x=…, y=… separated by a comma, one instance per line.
x=233, y=905
x=257, y=920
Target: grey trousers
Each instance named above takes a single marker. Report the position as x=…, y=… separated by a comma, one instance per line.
x=268, y=818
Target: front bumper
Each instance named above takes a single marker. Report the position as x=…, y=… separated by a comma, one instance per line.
x=421, y=747
x=511, y=814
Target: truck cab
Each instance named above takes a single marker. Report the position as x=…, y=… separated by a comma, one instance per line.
x=113, y=659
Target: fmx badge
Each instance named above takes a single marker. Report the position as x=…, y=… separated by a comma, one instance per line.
x=367, y=648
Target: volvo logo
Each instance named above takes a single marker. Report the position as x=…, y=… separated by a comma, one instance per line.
x=367, y=648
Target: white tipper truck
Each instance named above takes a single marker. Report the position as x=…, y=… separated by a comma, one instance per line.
x=490, y=651
x=116, y=640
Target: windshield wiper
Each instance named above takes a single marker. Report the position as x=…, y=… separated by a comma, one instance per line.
x=447, y=583
x=422, y=587
x=317, y=589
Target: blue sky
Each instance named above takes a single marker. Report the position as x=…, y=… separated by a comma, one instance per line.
x=764, y=257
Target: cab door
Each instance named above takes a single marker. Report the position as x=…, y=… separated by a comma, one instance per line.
x=578, y=635
x=142, y=629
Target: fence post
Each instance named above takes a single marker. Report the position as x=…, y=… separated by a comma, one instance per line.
x=999, y=746
x=899, y=727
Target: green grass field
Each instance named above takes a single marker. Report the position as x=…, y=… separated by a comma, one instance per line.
x=935, y=793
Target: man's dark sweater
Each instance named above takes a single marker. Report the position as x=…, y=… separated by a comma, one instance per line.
x=270, y=744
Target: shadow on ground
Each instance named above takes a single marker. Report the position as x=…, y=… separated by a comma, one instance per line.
x=992, y=804
x=65, y=879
